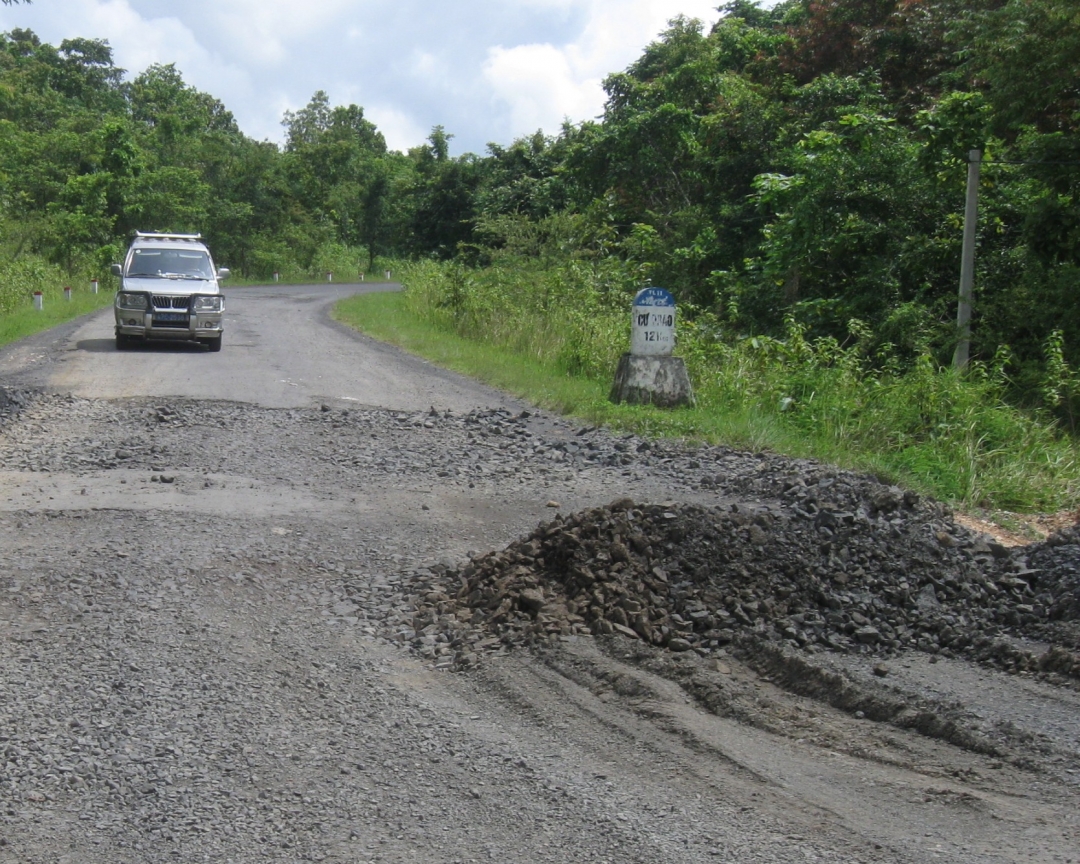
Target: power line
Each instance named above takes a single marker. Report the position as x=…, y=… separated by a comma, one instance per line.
x=1024, y=162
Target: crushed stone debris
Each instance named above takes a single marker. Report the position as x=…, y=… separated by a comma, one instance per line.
x=845, y=565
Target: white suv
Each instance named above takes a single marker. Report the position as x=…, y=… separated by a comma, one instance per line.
x=169, y=290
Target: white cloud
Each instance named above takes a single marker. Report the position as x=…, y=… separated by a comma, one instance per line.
x=138, y=43
x=540, y=85
x=399, y=129
x=426, y=65
x=618, y=30
x=487, y=70
x=263, y=30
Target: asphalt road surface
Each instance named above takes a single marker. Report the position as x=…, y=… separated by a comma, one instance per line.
x=209, y=570
x=281, y=350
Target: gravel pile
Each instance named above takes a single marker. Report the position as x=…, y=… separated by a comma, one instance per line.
x=1056, y=567
x=12, y=401
x=196, y=600
x=839, y=563
x=810, y=556
x=163, y=700
x=191, y=687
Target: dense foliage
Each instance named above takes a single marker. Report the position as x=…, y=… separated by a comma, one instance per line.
x=808, y=163
x=804, y=163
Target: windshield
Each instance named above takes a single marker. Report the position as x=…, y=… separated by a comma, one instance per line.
x=170, y=264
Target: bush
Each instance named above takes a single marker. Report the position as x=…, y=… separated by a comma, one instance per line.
x=575, y=316
x=343, y=261
x=19, y=279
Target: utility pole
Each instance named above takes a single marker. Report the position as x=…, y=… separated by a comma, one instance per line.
x=967, y=262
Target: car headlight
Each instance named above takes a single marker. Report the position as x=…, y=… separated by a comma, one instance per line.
x=130, y=301
x=208, y=304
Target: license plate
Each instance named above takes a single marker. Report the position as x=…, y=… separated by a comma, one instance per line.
x=170, y=316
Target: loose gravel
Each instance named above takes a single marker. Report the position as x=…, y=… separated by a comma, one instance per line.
x=205, y=604
x=841, y=564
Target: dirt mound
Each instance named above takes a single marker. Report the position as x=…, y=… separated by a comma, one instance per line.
x=838, y=565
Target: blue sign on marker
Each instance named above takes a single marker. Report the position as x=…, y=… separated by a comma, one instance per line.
x=654, y=297
x=652, y=331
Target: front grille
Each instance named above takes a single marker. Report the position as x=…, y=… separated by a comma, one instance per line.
x=182, y=325
x=171, y=302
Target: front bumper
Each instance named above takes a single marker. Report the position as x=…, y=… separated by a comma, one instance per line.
x=169, y=322
x=199, y=326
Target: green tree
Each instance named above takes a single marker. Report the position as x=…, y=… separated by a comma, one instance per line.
x=333, y=165
x=87, y=75
x=846, y=237
x=1027, y=53
x=443, y=196
x=524, y=178
x=908, y=44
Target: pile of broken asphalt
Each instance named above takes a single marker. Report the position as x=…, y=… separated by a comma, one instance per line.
x=835, y=561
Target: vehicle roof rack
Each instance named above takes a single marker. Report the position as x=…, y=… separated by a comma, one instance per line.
x=168, y=236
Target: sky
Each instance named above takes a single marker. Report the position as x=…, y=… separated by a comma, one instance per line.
x=486, y=70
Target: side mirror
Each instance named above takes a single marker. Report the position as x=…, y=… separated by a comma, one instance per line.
x=223, y=272
x=116, y=269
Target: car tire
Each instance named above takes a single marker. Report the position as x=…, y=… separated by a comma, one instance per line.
x=214, y=344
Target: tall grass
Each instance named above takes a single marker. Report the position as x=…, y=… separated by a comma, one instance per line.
x=19, y=279
x=953, y=435
x=572, y=318
x=295, y=266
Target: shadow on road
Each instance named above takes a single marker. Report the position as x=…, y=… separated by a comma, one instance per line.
x=108, y=346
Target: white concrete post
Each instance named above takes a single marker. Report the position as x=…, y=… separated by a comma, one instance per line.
x=648, y=373
x=39, y=301
x=67, y=292
x=94, y=285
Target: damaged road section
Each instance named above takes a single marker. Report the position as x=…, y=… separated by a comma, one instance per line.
x=348, y=634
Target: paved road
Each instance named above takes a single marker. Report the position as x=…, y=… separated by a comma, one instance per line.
x=281, y=350
x=206, y=605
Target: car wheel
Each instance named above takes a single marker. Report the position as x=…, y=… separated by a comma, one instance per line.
x=214, y=344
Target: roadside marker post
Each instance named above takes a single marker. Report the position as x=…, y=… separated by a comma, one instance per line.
x=648, y=374
x=67, y=292
x=387, y=275
x=277, y=276
x=329, y=277
x=361, y=277
x=94, y=285
x=39, y=301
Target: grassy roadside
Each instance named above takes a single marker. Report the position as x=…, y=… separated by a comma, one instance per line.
x=385, y=317
x=25, y=320
x=543, y=382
